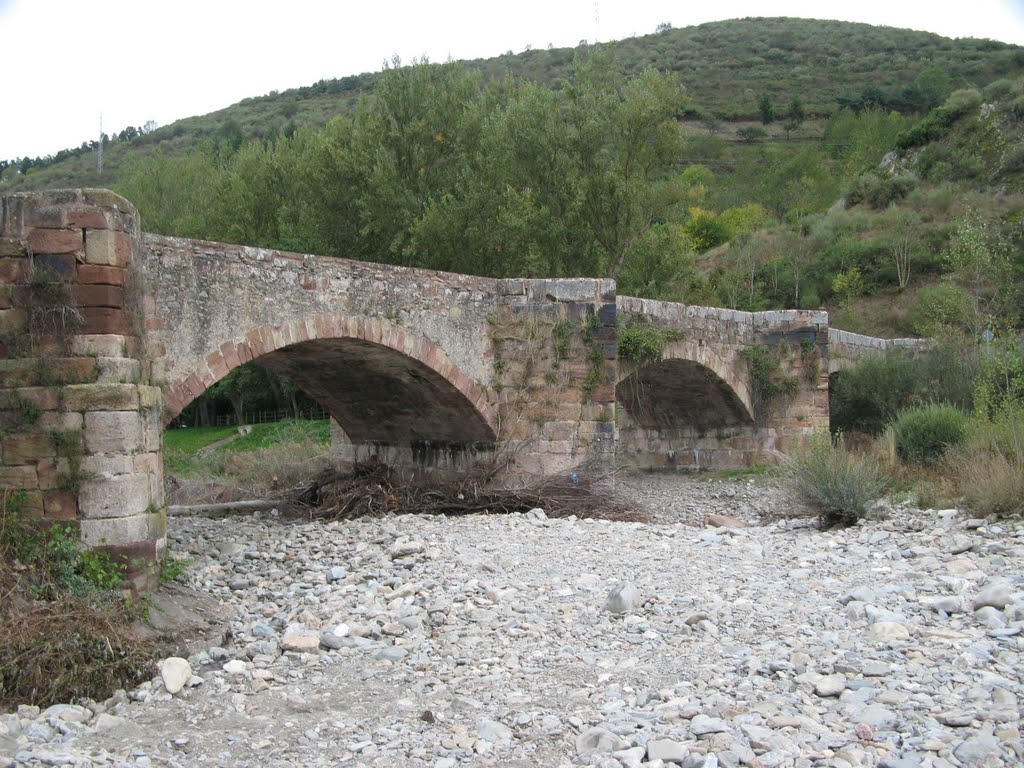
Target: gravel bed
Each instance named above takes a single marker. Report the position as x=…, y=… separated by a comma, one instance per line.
x=518, y=640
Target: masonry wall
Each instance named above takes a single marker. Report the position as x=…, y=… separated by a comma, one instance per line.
x=715, y=339
x=81, y=425
x=554, y=355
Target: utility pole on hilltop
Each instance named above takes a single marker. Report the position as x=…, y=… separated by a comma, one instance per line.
x=99, y=149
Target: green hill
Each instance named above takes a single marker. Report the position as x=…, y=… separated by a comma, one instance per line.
x=726, y=67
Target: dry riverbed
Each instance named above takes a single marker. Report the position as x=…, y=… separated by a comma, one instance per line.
x=492, y=641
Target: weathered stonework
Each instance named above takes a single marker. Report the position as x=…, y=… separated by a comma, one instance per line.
x=106, y=334
x=847, y=349
x=696, y=408
x=78, y=421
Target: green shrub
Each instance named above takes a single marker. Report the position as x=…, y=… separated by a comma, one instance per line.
x=53, y=557
x=838, y=484
x=64, y=634
x=871, y=395
x=961, y=102
x=941, y=309
x=1016, y=108
x=879, y=191
x=922, y=435
x=769, y=385
x=642, y=342
x=998, y=88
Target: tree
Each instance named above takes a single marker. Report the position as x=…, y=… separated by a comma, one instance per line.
x=767, y=109
x=980, y=259
x=622, y=136
x=795, y=115
x=751, y=134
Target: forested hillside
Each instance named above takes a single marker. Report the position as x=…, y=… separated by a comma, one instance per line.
x=735, y=163
x=726, y=67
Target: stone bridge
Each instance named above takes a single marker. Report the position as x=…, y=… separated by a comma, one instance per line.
x=107, y=333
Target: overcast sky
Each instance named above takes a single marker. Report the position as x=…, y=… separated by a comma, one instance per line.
x=69, y=62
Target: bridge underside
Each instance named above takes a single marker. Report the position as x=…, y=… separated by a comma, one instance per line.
x=678, y=414
x=378, y=395
x=680, y=394
x=385, y=404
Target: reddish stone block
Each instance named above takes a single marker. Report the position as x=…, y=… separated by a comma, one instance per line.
x=172, y=404
x=255, y=343
x=46, y=217
x=12, y=270
x=60, y=505
x=194, y=386
x=33, y=504
x=86, y=218
x=27, y=448
x=46, y=472
x=98, y=273
x=155, y=324
x=219, y=369
x=55, y=241
x=322, y=326
x=61, y=263
x=227, y=349
x=244, y=352
x=11, y=247
x=99, y=296
x=106, y=320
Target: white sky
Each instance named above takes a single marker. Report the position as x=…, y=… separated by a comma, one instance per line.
x=67, y=62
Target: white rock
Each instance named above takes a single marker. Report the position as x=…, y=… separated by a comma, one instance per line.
x=997, y=595
x=830, y=685
x=887, y=632
x=494, y=732
x=175, y=673
x=667, y=749
x=624, y=598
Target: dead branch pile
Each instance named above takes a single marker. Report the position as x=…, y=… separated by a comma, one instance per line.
x=373, y=488
x=64, y=649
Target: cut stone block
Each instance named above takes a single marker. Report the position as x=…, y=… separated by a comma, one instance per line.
x=118, y=496
x=113, y=432
x=101, y=397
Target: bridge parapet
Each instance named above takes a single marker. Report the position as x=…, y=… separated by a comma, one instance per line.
x=847, y=349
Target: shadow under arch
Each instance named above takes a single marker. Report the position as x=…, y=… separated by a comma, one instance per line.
x=692, y=386
x=379, y=382
x=679, y=393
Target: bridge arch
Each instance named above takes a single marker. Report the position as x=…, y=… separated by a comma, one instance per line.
x=692, y=386
x=379, y=381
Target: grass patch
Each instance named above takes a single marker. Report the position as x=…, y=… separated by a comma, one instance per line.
x=181, y=447
x=191, y=439
x=288, y=431
x=271, y=457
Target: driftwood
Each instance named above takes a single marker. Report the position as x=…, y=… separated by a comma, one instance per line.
x=204, y=510
x=373, y=489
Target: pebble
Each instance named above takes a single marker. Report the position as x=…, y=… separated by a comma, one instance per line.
x=496, y=641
